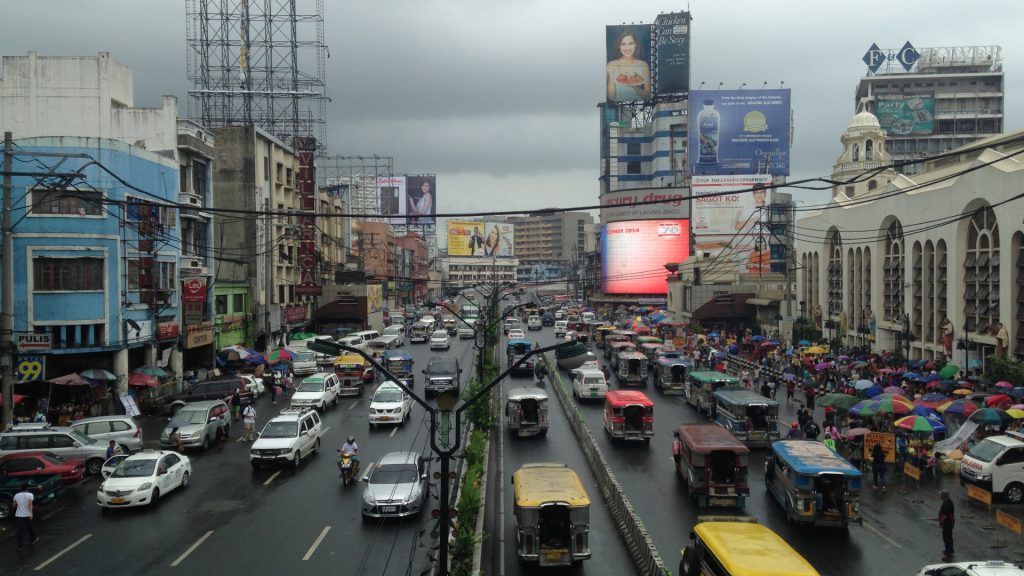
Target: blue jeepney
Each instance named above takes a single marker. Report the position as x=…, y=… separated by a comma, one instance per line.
x=515, y=350
x=399, y=363
x=813, y=484
x=670, y=370
x=752, y=418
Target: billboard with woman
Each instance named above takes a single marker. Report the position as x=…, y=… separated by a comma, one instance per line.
x=628, y=69
x=421, y=199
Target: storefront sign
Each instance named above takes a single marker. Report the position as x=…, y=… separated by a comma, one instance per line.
x=233, y=322
x=139, y=331
x=201, y=335
x=293, y=314
x=30, y=368
x=167, y=331
x=32, y=342
x=309, y=279
x=194, y=313
x=193, y=290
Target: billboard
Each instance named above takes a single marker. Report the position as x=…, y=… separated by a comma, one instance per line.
x=635, y=253
x=628, y=69
x=672, y=53
x=615, y=206
x=739, y=132
x=391, y=198
x=727, y=217
x=906, y=114
x=480, y=238
x=407, y=199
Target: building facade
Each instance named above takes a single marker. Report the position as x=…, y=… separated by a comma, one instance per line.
x=548, y=245
x=458, y=272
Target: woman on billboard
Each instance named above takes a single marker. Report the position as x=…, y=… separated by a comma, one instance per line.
x=629, y=77
x=493, y=243
x=421, y=203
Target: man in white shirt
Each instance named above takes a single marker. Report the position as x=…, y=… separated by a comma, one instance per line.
x=249, y=423
x=23, y=515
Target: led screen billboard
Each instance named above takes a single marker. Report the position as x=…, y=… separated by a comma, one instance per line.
x=739, y=132
x=479, y=238
x=906, y=114
x=672, y=53
x=628, y=57
x=634, y=254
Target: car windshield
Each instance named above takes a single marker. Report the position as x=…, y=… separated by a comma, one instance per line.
x=82, y=438
x=394, y=474
x=392, y=331
x=135, y=468
x=311, y=386
x=985, y=451
x=304, y=357
x=187, y=417
x=280, y=430
x=439, y=334
x=441, y=367
x=387, y=396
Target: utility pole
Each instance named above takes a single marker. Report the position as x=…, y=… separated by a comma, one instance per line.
x=268, y=281
x=7, y=286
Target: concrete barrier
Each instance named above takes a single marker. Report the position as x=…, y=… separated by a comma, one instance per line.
x=631, y=527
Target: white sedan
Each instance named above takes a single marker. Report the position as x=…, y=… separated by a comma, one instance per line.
x=144, y=477
x=516, y=334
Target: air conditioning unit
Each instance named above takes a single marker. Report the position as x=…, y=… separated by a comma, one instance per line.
x=191, y=263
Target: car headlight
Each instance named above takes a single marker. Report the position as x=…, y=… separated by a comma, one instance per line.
x=103, y=486
x=413, y=496
x=284, y=450
x=368, y=498
x=984, y=477
x=144, y=487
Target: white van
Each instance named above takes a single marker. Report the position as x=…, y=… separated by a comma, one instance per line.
x=589, y=383
x=354, y=341
x=397, y=330
x=303, y=362
x=366, y=335
x=321, y=358
x=588, y=317
x=534, y=323
x=997, y=465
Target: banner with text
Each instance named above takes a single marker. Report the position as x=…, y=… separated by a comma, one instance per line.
x=739, y=132
x=615, y=206
x=905, y=114
x=480, y=238
x=672, y=52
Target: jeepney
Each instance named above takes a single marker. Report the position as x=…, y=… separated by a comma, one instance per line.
x=628, y=415
x=419, y=332
x=613, y=339
x=650, y=350
x=670, y=372
x=552, y=515
x=712, y=464
x=617, y=348
x=631, y=368
x=813, y=484
x=600, y=333
x=526, y=412
x=400, y=364
x=751, y=417
x=515, y=350
x=701, y=386
x=352, y=371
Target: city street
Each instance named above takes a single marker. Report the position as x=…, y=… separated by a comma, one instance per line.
x=232, y=520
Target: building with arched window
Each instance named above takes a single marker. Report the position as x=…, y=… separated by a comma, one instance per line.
x=889, y=263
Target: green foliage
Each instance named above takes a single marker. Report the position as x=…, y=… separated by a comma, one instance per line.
x=470, y=498
x=1006, y=369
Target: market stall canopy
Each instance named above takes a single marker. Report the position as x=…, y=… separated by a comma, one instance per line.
x=97, y=374
x=72, y=379
x=151, y=371
x=138, y=379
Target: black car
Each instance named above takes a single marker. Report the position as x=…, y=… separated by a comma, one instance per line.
x=548, y=320
x=215, y=389
x=442, y=375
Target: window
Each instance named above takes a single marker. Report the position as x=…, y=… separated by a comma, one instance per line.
x=872, y=185
x=119, y=426
x=164, y=276
x=67, y=273
x=633, y=168
x=633, y=149
x=63, y=441
x=855, y=152
x=199, y=179
x=238, y=303
x=850, y=191
x=892, y=304
x=98, y=428
x=220, y=305
x=835, y=274
x=981, y=270
x=64, y=202
x=183, y=178
x=869, y=150
x=151, y=213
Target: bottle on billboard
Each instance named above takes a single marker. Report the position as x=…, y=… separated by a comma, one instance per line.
x=708, y=123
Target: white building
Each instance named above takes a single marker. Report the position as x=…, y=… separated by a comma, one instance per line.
x=888, y=262
x=464, y=271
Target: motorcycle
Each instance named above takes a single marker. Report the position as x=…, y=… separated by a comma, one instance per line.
x=348, y=466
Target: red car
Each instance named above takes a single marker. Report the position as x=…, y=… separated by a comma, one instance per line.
x=31, y=463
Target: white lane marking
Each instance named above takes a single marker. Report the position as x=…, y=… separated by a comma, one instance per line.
x=52, y=512
x=882, y=536
x=62, y=552
x=366, y=475
x=393, y=430
x=191, y=548
x=354, y=404
x=325, y=430
x=319, y=539
x=271, y=479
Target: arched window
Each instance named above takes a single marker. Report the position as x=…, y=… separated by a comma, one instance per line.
x=941, y=302
x=855, y=152
x=892, y=273
x=851, y=287
x=981, y=272
x=872, y=185
x=917, y=279
x=869, y=150
x=835, y=273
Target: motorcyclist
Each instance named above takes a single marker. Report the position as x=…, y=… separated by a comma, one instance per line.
x=540, y=370
x=352, y=448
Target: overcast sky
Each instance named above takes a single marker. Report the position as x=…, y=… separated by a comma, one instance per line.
x=499, y=98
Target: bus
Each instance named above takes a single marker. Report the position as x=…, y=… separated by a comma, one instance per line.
x=752, y=418
x=701, y=386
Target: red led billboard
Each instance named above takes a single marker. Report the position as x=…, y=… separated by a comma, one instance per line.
x=634, y=254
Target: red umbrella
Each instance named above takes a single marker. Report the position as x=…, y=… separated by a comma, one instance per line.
x=998, y=400
x=1004, y=384
x=72, y=379
x=137, y=379
x=17, y=399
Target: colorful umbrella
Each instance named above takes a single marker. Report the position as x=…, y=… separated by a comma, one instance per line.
x=863, y=384
x=998, y=400
x=895, y=390
x=281, y=355
x=915, y=424
x=961, y=407
x=1004, y=384
x=873, y=391
x=69, y=380
x=139, y=379
x=963, y=392
x=816, y=350
x=949, y=371
x=923, y=411
x=1015, y=413
x=17, y=399
x=97, y=374
x=854, y=432
x=883, y=406
x=837, y=400
x=991, y=417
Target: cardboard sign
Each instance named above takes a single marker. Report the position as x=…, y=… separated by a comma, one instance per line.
x=911, y=471
x=888, y=442
x=979, y=494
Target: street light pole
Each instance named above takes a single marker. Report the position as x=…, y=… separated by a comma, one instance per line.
x=7, y=287
x=476, y=333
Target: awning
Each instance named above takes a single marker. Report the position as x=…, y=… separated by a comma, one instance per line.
x=738, y=309
x=763, y=301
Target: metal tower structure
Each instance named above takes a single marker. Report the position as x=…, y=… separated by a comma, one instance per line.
x=258, y=62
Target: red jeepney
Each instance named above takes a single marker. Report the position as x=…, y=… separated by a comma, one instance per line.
x=713, y=464
x=628, y=415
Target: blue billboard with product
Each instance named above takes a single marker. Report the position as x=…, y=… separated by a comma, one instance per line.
x=739, y=132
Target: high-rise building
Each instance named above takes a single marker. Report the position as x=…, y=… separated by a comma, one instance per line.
x=549, y=244
x=947, y=98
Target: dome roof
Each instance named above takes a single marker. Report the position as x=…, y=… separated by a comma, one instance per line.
x=864, y=120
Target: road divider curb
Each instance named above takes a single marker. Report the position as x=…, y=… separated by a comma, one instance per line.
x=641, y=546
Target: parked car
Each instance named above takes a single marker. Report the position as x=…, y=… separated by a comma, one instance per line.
x=198, y=424
x=389, y=405
x=439, y=340
x=45, y=488
x=120, y=429
x=62, y=441
x=397, y=486
x=70, y=470
x=287, y=438
x=317, y=391
x=141, y=479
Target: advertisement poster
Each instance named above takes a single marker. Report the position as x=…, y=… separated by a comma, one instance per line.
x=421, y=199
x=905, y=114
x=479, y=238
x=739, y=132
x=635, y=254
x=672, y=46
x=716, y=210
x=616, y=206
x=628, y=68
x=391, y=198
x=374, y=298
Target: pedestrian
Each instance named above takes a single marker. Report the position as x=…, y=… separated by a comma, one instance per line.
x=901, y=454
x=856, y=454
x=249, y=423
x=803, y=416
x=113, y=450
x=794, y=431
x=809, y=393
x=766, y=390
x=878, y=466
x=811, y=430
x=790, y=388
x=946, y=522
x=268, y=380
x=236, y=404
x=23, y=515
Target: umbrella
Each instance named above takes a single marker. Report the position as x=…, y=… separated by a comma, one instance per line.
x=915, y=424
x=256, y=358
x=873, y=391
x=997, y=400
x=883, y=406
x=923, y=411
x=1015, y=413
x=932, y=378
x=17, y=399
x=961, y=407
x=1004, y=384
x=895, y=390
x=756, y=338
x=1017, y=392
x=789, y=377
x=837, y=400
x=963, y=392
x=139, y=379
x=860, y=364
x=991, y=417
x=911, y=375
x=854, y=432
x=151, y=371
x=949, y=370
x=815, y=350
x=280, y=368
x=72, y=379
x=863, y=384
x=712, y=334
x=281, y=355
x=804, y=343
x=822, y=365
x=97, y=374
x=769, y=344
x=236, y=348
x=734, y=349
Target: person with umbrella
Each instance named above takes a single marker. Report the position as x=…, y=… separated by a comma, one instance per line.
x=878, y=466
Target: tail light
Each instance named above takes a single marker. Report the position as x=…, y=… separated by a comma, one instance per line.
x=138, y=432
x=648, y=419
x=618, y=419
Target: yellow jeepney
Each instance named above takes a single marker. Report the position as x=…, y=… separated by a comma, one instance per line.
x=552, y=512
x=353, y=372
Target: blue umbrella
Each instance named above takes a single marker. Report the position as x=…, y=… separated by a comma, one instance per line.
x=734, y=349
x=911, y=375
x=1017, y=392
x=932, y=378
x=713, y=334
x=934, y=398
x=923, y=411
x=256, y=358
x=873, y=391
x=280, y=368
x=804, y=343
x=756, y=338
x=916, y=364
x=936, y=423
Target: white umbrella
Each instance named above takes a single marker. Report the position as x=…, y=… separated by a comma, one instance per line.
x=863, y=384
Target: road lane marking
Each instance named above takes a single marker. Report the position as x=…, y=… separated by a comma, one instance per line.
x=51, y=513
x=319, y=539
x=881, y=535
x=393, y=430
x=191, y=548
x=271, y=479
x=62, y=552
x=354, y=404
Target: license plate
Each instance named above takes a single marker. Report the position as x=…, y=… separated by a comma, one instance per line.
x=594, y=394
x=117, y=500
x=553, y=554
x=386, y=509
x=720, y=501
